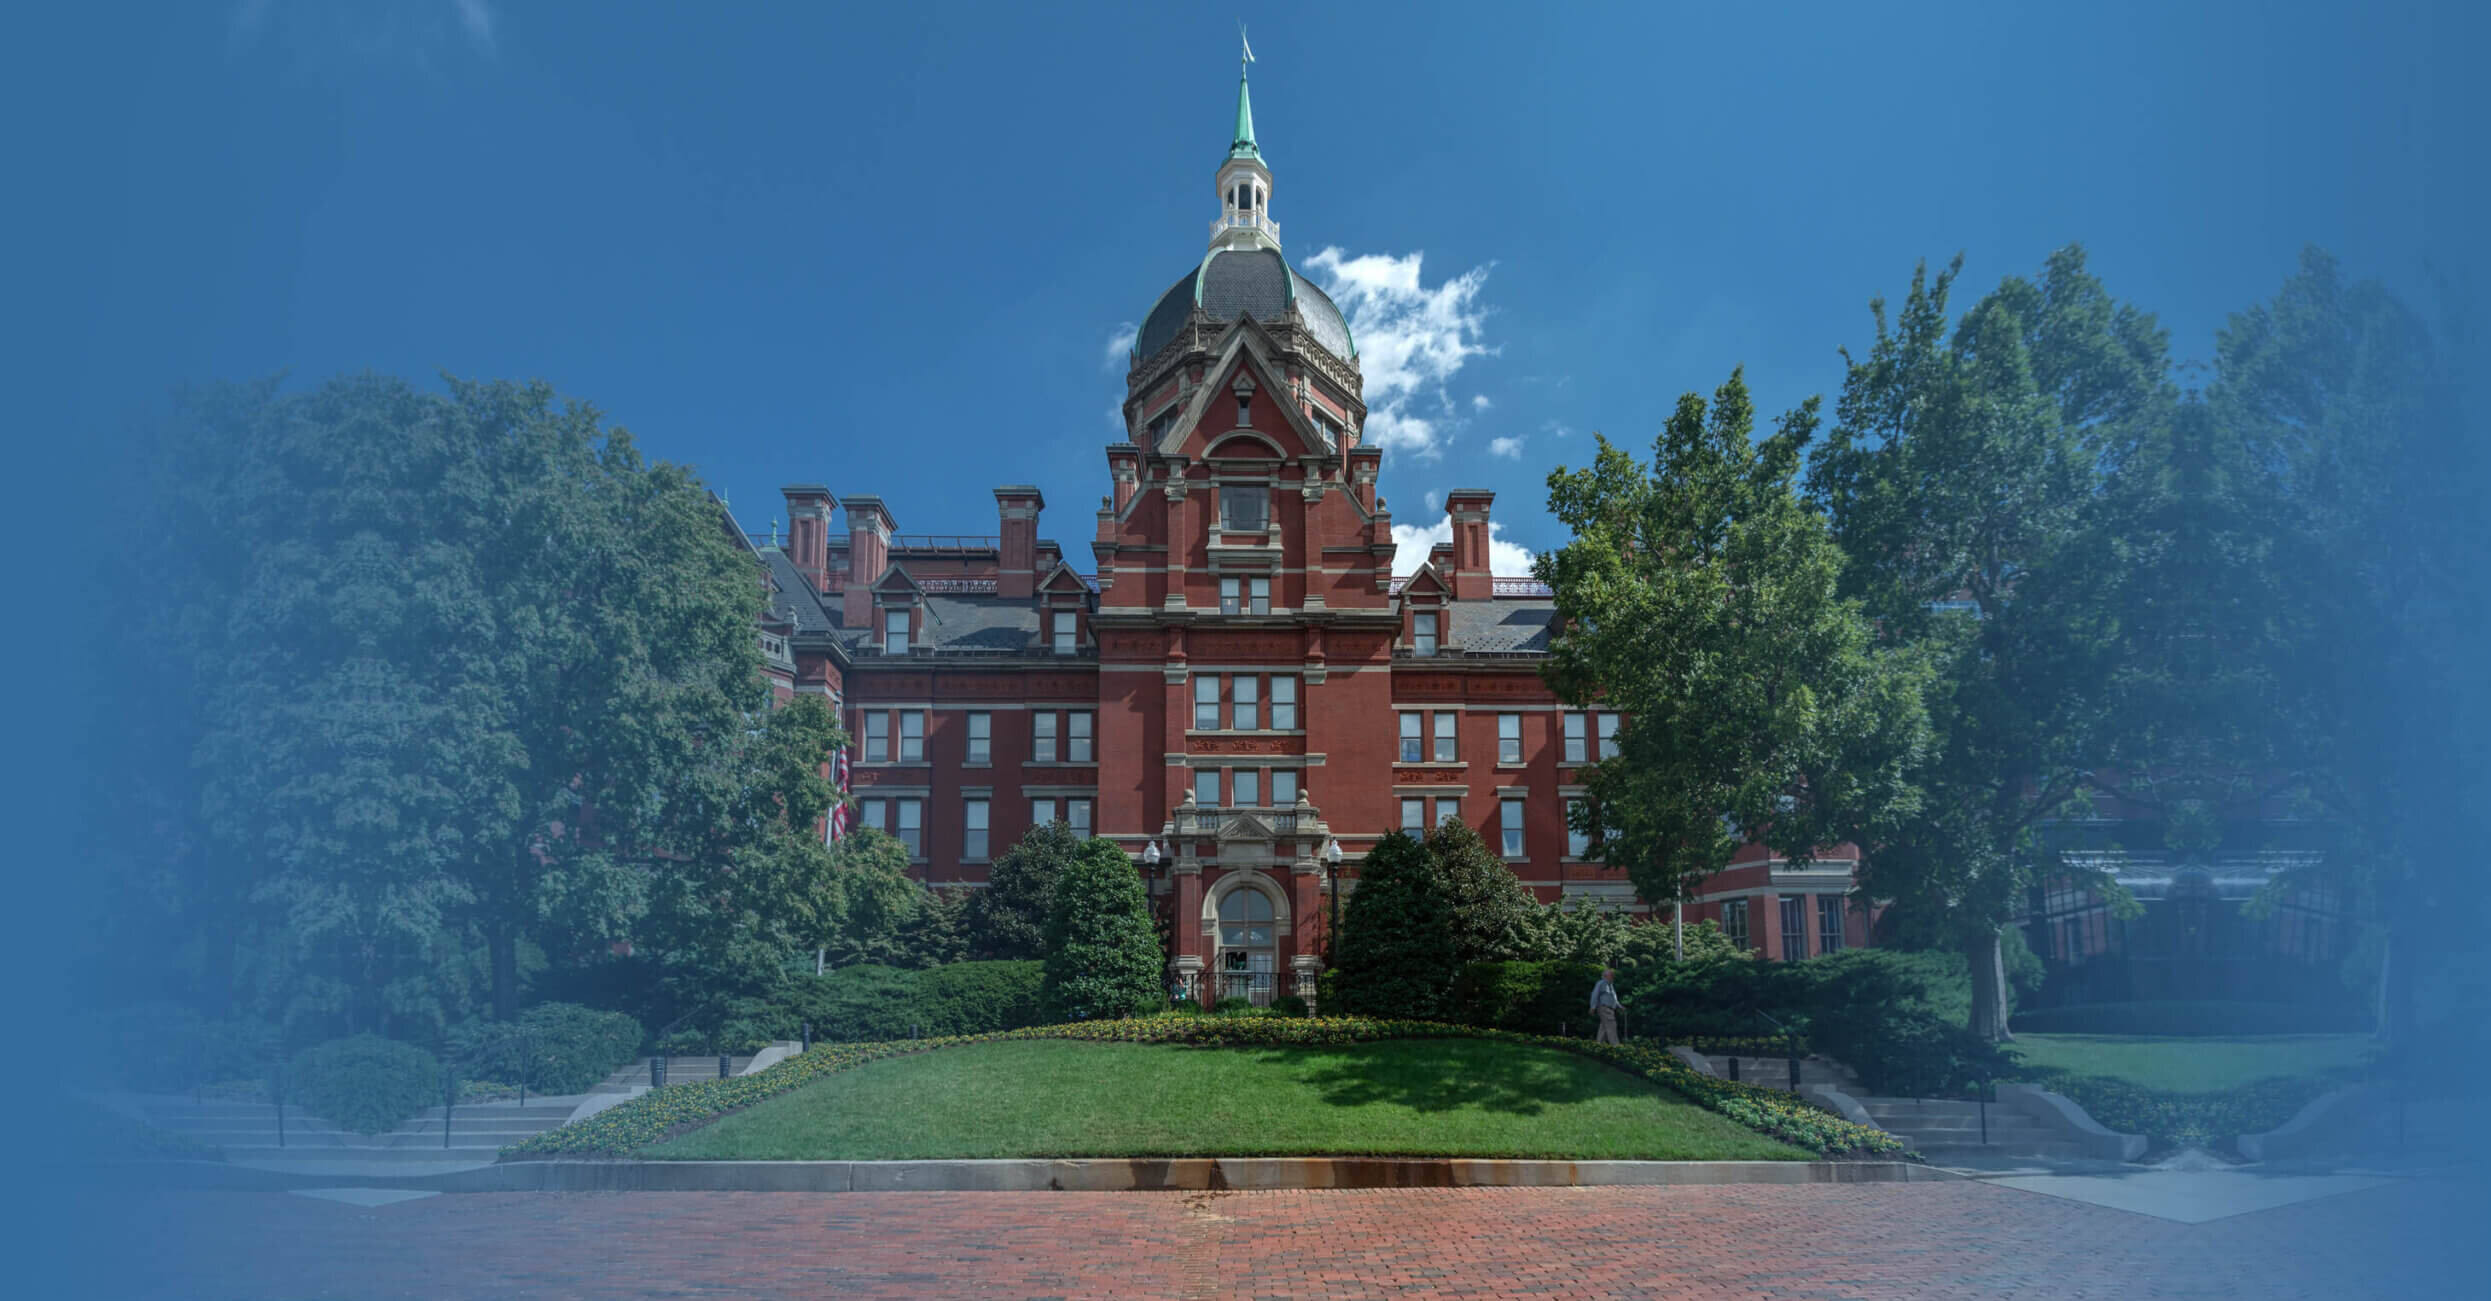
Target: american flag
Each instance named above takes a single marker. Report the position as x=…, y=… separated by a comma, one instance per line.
x=838, y=824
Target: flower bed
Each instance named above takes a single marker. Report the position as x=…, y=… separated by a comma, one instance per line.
x=624, y=1129
x=2187, y=1119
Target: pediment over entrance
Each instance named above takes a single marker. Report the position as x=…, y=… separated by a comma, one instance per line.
x=1245, y=826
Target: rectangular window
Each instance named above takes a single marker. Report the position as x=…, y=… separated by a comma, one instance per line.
x=1734, y=922
x=878, y=735
x=895, y=632
x=1422, y=634
x=1578, y=841
x=1207, y=788
x=1608, y=736
x=1245, y=786
x=973, y=829
x=912, y=737
x=1448, y=740
x=1077, y=815
x=1509, y=821
x=1244, y=709
x=1412, y=748
x=869, y=813
x=1206, y=702
x=1447, y=809
x=1794, y=926
x=1258, y=596
x=981, y=737
x=1414, y=816
x=1283, y=787
x=1284, y=704
x=1575, y=752
x=1041, y=812
x=912, y=826
x=1509, y=738
x=1042, y=736
x=1244, y=510
x=1064, y=628
x=1232, y=601
x=1829, y=923
x=1077, y=736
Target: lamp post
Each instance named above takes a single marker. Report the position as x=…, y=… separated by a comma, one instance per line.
x=1332, y=879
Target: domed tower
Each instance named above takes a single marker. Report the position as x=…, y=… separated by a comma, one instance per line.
x=1244, y=276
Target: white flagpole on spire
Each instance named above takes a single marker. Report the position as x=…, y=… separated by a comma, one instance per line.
x=1241, y=40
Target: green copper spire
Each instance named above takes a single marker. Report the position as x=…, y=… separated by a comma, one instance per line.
x=1243, y=146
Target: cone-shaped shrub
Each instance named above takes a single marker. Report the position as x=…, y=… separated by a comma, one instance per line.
x=1102, y=953
x=1396, y=951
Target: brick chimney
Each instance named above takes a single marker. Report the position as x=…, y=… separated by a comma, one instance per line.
x=1468, y=510
x=869, y=553
x=1016, y=508
x=808, y=532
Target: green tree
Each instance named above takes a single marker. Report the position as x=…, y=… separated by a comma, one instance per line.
x=1008, y=919
x=937, y=933
x=1699, y=596
x=881, y=910
x=1102, y=954
x=1958, y=478
x=1396, y=954
x=464, y=653
x=1492, y=917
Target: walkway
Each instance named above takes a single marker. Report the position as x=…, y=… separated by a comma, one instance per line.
x=1955, y=1239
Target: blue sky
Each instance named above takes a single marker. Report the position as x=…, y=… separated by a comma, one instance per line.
x=888, y=247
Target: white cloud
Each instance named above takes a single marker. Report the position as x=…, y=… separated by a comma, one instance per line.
x=477, y=17
x=1479, y=402
x=1509, y=448
x=1412, y=340
x=1120, y=345
x=353, y=37
x=1412, y=542
x=1435, y=500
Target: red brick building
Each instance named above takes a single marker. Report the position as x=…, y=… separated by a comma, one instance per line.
x=1232, y=675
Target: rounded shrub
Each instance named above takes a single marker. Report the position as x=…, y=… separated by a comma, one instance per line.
x=365, y=1083
x=1103, y=958
x=1289, y=1005
x=550, y=1048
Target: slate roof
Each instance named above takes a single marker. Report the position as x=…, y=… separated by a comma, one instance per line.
x=1245, y=282
x=794, y=595
x=1501, y=626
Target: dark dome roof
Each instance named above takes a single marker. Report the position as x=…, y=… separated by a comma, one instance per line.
x=1239, y=282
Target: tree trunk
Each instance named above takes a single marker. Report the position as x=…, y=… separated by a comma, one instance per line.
x=503, y=943
x=1986, y=963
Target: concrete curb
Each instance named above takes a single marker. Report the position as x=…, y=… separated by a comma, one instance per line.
x=1137, y=1174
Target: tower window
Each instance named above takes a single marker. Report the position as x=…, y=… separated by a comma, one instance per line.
x=1244, y=510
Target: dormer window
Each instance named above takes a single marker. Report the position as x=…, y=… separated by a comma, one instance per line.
x=1064, y=632
x=895, y=632
x=1245, y=410
x=1423, y=634
x=1244, y=510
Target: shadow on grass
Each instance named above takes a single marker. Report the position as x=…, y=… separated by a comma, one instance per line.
x=1456, y=1075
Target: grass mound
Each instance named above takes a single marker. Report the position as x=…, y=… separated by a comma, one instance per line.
x=1411, y=1097
x=670, y=1112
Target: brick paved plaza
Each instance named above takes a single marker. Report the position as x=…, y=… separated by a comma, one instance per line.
x=1902, y=1240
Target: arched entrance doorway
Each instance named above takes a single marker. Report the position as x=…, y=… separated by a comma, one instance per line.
x=1248, y=956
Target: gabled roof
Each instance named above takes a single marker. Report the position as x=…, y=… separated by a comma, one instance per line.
x=1245, y=345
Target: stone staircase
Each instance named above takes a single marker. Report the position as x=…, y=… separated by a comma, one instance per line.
x=679, y=1070
x=1774, y=1072
x=249, y=1132
x=1943, y=1127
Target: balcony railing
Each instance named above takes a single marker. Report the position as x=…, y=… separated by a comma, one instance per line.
x=1245, y=221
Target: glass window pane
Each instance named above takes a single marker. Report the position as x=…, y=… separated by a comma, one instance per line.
x=1283, y=787
x=1509, y=738
x=1574, y=738
x=973, y=829
x=1229, y=603
x=1261, y=590
x=878, y=735
x=1447, y=742
x=1410, y=743
x=1041, y=812
x=1207, y=787
x=1079, y=741
x=912, y=737
x=1413, y=815
x=1244, y=714
x=980, y=737
x=1042, y=736
x=911, y=827
x=1509, y=821
x=895, y=632
x=1578, y=842
x=1447, y=810
x=869, y=813
x=1608, y=736
x=1246, y=785
x=1284, y=704
x=1206, y=702
x=1077, y=812
x=1423, y=634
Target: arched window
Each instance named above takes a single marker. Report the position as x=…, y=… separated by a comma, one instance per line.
x=1246, y=952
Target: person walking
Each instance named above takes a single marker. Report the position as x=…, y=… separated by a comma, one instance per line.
x=1604, y=1004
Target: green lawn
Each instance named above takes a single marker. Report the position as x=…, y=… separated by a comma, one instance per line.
x=2192, y=1065
x=1403, y=1098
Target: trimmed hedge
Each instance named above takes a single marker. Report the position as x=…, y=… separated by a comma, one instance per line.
x=2188, y=1119
x=867, y=1004
x=366, y=1083
x=2190, y=1020
x=653, y=1116
x=1545, y=998
x=551, y=1048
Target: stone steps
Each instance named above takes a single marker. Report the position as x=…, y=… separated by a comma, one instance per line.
x=1948, y=1127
